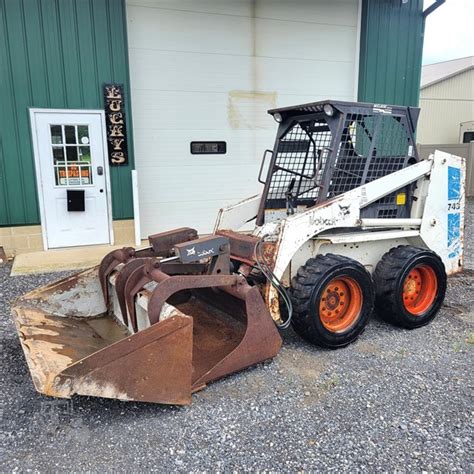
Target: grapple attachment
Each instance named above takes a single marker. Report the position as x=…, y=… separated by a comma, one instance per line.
x=170, y=322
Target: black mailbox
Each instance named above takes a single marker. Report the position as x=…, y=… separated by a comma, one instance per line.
x=76, y=200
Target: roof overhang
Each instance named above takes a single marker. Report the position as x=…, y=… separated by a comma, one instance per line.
x=441, y=79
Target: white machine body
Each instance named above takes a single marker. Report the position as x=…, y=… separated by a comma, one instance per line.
x=335, y=226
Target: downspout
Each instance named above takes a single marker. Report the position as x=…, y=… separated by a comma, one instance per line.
x=432, y=8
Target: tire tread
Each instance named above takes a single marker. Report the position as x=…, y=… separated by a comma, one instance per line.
x=302, y=285
x=386, y=275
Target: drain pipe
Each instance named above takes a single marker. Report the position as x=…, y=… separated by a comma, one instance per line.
x=432, y=8
x=136, y=208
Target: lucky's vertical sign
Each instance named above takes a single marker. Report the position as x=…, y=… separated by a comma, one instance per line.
x=114, y=105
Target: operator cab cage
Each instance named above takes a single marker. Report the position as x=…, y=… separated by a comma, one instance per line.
x=323, y=149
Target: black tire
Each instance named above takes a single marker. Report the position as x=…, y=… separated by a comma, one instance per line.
x=307, y=287
x=394, y=273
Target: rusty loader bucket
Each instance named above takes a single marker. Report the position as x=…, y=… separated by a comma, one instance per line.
x=151, y=325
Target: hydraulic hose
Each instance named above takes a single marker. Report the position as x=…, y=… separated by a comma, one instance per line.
x=275, y=282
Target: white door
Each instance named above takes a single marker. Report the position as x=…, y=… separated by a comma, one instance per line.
x=72, y=177
x=209, y=71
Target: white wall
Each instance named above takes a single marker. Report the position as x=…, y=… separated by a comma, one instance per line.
x=444, y=106
x=209, y=70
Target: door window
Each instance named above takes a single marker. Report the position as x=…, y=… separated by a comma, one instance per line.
x=71, y=155
x=468, y=137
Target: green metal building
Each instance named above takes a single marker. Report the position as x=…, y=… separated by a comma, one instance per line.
x=92, y=89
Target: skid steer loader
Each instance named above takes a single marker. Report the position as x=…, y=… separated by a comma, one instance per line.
x=349, y=217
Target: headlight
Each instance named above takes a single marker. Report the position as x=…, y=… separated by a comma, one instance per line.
x=328, y=110
x=278, y=118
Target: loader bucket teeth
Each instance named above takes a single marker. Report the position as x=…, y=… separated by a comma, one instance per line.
x=109, y=262
x=135, y=282
x=120, y=282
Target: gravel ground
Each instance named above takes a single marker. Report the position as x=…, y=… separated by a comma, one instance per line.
x=395, y=400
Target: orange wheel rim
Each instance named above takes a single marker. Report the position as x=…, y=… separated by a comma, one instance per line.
x=419, y=290
x=340, y=304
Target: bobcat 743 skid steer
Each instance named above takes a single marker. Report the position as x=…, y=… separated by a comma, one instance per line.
x=349, y=218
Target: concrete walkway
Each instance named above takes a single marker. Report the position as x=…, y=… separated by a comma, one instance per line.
x=56, y=260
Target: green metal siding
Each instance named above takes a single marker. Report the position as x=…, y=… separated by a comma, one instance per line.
x=56, y=54
x=391, y=49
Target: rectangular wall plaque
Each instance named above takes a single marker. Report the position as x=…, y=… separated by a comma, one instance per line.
x=114, y=106
x=208, y=148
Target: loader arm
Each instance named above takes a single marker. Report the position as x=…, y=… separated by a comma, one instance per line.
x=237, y=215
